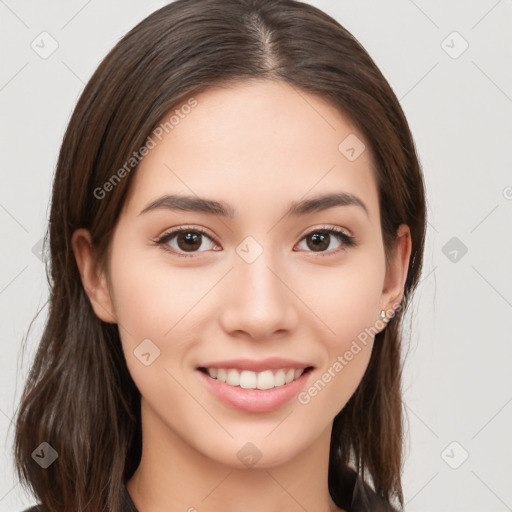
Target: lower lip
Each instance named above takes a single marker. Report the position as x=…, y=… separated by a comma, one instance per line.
x=254, y=400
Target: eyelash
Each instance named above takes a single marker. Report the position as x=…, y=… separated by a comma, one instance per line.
x=347, y=240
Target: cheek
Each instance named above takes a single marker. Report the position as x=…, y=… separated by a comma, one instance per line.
x=150, y=302
x=157, y=302
x=348, y=303
x=150, y=297
x=347, y=347
x=346, y=300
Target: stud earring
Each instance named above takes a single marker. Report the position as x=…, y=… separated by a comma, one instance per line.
x=382, y=314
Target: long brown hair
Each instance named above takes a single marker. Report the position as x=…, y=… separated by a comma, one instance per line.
x=79, y=396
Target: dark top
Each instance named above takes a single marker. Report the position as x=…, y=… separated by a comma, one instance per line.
x=364, y=499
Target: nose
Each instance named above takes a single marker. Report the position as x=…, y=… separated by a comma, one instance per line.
x=259, y=302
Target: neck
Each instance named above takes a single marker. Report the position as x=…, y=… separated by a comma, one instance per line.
x=174, y=477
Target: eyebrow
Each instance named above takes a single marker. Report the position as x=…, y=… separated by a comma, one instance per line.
x=212, y=207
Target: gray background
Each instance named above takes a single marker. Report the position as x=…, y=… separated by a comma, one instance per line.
x=457, y=381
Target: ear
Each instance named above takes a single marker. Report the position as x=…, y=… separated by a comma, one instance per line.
x=94, y=281
x=396, y=271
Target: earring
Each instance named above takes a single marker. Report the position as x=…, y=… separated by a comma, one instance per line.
x=382, y=314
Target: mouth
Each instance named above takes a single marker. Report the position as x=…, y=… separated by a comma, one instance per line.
x=253, y=386
x=247, y=379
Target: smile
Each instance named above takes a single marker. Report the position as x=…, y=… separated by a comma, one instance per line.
x=255, y=386
x=247, y=379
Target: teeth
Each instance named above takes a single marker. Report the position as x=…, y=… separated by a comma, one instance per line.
x=279, y=378
x=265, y=380
x=247, y=379
x=255, y=380
x=233, y=378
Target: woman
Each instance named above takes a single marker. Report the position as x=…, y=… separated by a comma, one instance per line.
x=237, y=226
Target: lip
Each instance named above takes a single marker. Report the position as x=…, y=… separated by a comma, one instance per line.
x=271, y=363
x=254, y=400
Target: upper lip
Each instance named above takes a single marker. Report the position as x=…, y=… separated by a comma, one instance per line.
x=271, y=363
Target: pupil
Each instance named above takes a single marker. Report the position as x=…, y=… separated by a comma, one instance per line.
x=321, y=240
x=191, y=241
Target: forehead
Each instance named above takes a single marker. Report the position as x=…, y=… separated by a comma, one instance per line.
x=256, y=144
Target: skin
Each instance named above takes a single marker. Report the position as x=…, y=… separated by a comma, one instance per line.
x=257, y=146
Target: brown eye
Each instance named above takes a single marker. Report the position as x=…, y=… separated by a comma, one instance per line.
x=320, y=240
x=182, y=241
x=189, y=241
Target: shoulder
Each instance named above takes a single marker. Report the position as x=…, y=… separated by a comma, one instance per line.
x=35, y=508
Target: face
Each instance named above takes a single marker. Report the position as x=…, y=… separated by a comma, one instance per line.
x=251, y=278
